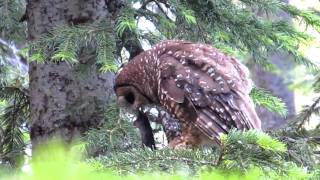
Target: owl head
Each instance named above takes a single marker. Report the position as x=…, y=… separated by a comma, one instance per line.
x=130, y=98
x=128, y=89
x=133, y=83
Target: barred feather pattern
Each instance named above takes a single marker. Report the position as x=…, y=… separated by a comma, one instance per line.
x=206, y=90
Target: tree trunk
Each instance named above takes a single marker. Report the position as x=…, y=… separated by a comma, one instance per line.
x=65, y=101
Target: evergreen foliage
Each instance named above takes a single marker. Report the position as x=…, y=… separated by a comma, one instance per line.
x=115, y=134
x=14, y=109
x=62, y=164
x=228, y=26
x=11, y=29
x=221, y=23
x=287, y=153
x=306, y=113
x=67, y=43
x=264, y=98
x=13, y=116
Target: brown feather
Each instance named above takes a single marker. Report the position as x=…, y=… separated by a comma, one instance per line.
x=199, y=85
x=211, y=81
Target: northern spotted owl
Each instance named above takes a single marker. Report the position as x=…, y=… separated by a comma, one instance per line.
x=205, y=90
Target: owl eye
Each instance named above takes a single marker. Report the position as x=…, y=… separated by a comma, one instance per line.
x=130, y=98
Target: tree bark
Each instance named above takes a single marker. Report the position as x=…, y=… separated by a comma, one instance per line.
x=65, y=101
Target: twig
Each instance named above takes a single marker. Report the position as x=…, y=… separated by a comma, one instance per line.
x=305, y=116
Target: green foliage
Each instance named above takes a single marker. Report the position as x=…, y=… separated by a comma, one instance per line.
x=243, y=29
x=12, y=117
x=64, y=55
x=228, y=25
x=240, y=153
x=14, y=111
x=11, y=11
x=302, y=146
x=14, y=108
x=126, y=22
x=60, y=164
x=38, y=56
x=310, y=17
x=253, y=137
x=105, y=46
x=188, y=15
x=165, y=26
x=308, y=111
x=147, y=161
x=71, y=44
x=244, y=150
x=115, y=135
x=316, y=84
x=235, y=160
x=267, y=100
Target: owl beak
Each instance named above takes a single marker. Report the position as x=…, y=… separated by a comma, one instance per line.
x=121, y=101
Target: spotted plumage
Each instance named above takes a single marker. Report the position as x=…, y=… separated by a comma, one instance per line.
x=158, y=114
x=205, y=90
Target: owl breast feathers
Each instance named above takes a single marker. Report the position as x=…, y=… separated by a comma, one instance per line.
x=205, y=90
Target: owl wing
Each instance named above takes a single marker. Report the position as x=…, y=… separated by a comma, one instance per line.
x=211, y=83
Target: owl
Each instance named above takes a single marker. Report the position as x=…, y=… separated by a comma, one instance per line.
x=203, y=89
